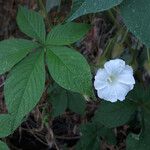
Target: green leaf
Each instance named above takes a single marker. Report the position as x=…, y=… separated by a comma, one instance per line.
x=69, y=69
x=76, y=102
x=12, y=51
x=108, y=135
x=140, y=142
x=89, y=139
x=141, y=100
x=31, y=23
x=24, y=86
x=7, y=124
x=91, y=135
x=52, y=3
x=136, y=16
x=59, y=101
x=114, y=114
x=67, y=34
x=62, y=99
x=82, y=7
x=3, y=146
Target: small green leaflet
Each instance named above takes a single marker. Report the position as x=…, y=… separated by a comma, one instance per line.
x=82, y=7
x=3, y=146
x=12, y=51
x=67, y=34
x=25, y=85
x=136, y=16
x=69, y=69
x=114, y=114
x=31, y=23
x=62, y=99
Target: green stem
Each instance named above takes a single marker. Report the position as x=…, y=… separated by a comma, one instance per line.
x=148, y=56
x=44, y=13
x=124, y=36
x=42, y=8
x=113, y=19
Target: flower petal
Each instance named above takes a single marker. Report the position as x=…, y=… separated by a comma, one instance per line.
x=101, y=75
x=100, y=84
x=108, y=93
x=128, y=70
x=122, y=90
x=126, y=79
x=114, y=66
x=126, y=76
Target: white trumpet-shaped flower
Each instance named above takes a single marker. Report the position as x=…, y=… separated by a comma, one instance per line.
x=114, y=81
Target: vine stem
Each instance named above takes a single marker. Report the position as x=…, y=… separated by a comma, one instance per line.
x=148, y=56
x=44, y=12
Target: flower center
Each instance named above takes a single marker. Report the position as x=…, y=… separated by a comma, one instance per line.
x=111, y=79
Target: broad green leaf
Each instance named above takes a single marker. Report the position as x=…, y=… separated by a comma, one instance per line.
x=62, y=99
x=67, y=33
x=12, y=51
x=140, y=142
x=142, y=96
x=3, y=146
x=141, y=100
x=69, y=69
x=31, y=23
x=114, y=114
x=89, y=139
x=24, y=86
x=136, y=16
x=82, y=7
x=7, y=126
x=52, y=3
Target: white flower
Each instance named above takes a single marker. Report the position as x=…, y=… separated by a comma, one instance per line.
x=114, y=81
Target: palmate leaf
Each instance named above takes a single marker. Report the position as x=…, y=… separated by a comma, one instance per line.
x=136, y=16
x=82, y=7
x=31, y=23
x=114, y=114
x=24, y=86
x=12, y=51
x=3, y=146
x=69, y=69
x=67, y=34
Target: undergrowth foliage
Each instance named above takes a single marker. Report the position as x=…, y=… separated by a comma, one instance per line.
x=28, y=63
